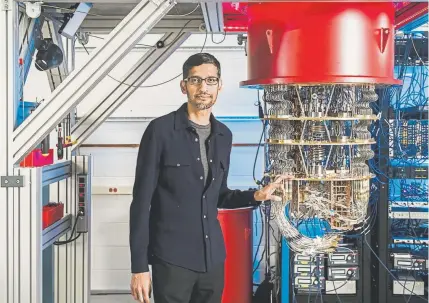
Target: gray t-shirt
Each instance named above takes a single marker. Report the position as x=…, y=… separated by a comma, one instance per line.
x=203, y=132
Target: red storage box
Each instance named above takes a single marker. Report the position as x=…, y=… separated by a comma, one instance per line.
x=52, y=213
x=37, y=159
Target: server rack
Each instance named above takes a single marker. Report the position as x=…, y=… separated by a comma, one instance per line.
x=402, y=155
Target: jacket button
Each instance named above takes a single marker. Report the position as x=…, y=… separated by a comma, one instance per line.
x=213, y=179
x=201, y=177
x=207, y=236
x=205, y=216
x=196, y=139
x=204, y=197
x=178, y=164
x=211, y=160
x=198, y=159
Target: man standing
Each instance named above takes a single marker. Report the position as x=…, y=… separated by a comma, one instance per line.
x=181, y=181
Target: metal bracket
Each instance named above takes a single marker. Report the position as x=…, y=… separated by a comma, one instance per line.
x=12, y=181
x=382, y=35
x=5, y=5
x=33, y=10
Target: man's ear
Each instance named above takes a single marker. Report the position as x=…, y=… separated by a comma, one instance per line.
x=183, y=87
x=220, y=85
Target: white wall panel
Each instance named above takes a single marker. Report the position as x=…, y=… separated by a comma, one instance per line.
x=111, y=233
x=118, y=133
x=113, y=208
x=102, y=258
x=112, y=163
x=110, y=280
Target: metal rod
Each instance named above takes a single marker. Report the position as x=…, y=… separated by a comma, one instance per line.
x=300, y=103
x=303, y=161
x=303, y=130
x=329, y=155
x=327, y=131
x=330, y=99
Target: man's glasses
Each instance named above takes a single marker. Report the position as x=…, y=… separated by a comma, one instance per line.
x=198, y=80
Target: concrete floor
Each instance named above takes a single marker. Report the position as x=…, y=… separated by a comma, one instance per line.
x=123, y=298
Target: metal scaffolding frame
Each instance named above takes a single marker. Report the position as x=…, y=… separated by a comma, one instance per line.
x=82, y=81
x=22, y=190
x=8, y=93
x=102, y=108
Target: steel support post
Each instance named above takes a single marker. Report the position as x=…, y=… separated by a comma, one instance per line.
x=366, y=268
x=81, y=81
x=381, y=236
x=64, y=255
x=55, y=77
x=26, y=260
x=213, y=16
x=102, y=108
x=8, y=94
x=73, y=261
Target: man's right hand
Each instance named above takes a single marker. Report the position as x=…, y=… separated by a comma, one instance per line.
x=141, y=287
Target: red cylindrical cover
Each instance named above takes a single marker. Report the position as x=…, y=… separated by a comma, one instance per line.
x=236, y=227
x=320, y=42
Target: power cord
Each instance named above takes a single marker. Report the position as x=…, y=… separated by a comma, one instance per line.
x=261, y=116
x=71, y=239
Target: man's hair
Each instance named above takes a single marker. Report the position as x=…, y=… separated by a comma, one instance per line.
x=199, y=59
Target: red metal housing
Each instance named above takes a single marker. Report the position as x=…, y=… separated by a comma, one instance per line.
x=236, y=227
x=235, y=14
x=312, y=42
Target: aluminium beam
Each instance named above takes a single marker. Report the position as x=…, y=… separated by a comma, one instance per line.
x=72, y=277
x=103, y=107
x=8, y=94
x=25, y=264
x=213, y=16
x=168, y=24
x=82, y=81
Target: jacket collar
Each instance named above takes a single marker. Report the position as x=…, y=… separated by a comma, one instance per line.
x=182, y=122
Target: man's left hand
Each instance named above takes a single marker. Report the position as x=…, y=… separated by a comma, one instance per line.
x=266, y=193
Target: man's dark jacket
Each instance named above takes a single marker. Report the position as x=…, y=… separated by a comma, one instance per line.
x=173, y=215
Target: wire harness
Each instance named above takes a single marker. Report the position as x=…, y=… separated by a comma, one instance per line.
x=319, y=137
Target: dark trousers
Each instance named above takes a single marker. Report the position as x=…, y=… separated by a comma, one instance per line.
x=173, y=284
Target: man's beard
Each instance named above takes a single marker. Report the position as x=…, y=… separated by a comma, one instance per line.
x=202, y=105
